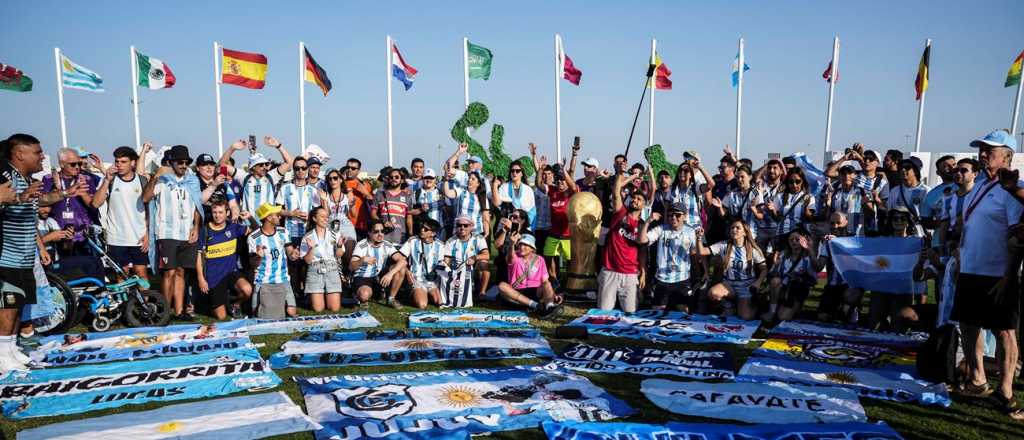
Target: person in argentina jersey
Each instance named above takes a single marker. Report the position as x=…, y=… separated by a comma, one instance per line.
x=338, y=199
x=260, y=184
x=466, y=249
x=849, y=199
x=215, y=186
x=769, y=183
x=744, y=202
x=423, y=253
x=471, y=202
x=178, y=216
x=126, y=218
x=910, y=193
x=217, y=264
x=675, y=242
x=742, y=267
x=794, y=274
x=369, y=261
x=791, y=208
x=320, y=250
x=274, y=297
x=428, y=203
x=298, y=198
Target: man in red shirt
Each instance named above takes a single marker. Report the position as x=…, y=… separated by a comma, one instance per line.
x=621, y=276
x=557, y=243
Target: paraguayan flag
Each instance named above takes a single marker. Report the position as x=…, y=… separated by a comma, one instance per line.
x=74, y=76
x=882, y=264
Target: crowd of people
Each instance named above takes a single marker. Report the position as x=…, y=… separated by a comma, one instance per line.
x=275, y=235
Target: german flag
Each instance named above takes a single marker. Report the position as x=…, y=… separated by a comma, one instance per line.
x=244, y=69
x=316, y=74
x=921, y=82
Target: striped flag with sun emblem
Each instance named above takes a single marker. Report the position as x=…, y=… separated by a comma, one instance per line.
x=880, y=264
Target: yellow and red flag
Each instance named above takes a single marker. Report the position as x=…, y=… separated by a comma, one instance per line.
x=921, y=82
x=662, y=73
x=1013, y=76
x=244, y=69
x=316, y=74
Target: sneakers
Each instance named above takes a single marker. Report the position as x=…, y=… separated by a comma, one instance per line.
x=236, y=312
x=184, y=316
x=550, y=311
x=9, y=363
x=393, y=302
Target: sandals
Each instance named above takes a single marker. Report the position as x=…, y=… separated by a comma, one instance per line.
x=1008, y=406
x=972, y=390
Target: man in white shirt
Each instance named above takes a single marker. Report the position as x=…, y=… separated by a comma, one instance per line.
x=126, y=231
x=260, y=185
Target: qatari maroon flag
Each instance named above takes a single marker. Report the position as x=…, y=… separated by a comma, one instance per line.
x=569, y=71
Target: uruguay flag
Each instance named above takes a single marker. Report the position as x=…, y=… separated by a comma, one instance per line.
x=881, y=264
x=399, y=69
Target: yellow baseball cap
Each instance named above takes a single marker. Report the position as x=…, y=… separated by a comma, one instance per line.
x=266, y=209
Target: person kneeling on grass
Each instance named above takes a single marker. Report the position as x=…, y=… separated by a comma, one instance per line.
x=792, y=277
x=742, y=268
x=368, y=263
x=320, y=250
x=273, y=298
x=423, y=254
x=528, y=273
x=676, y=243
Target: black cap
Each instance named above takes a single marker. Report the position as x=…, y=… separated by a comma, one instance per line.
x=912, y=161
x=313, y=160
x=205, y=159
x=178, y=152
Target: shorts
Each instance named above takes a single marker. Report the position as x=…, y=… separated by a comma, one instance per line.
x=22, y=279
x=612, y=286
x=270, y=300
x=220, y=295
x=176, y=254
x=372, y=282
x=977, y=304
x=529, y=292
x=126, y=256
x=673, y=294
x=793, y=294
x=558, y=247
x=740, y=288
x=424, y=285
x=323, y=278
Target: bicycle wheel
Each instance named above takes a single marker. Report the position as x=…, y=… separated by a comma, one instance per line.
x=64, y=304
x=152, y=311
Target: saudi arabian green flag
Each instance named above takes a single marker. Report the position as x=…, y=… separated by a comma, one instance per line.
x=479, y=61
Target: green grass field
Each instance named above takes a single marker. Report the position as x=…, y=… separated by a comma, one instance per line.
x=965, y=419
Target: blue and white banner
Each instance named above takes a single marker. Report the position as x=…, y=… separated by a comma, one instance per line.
x=716, y=431
x=237, y=418
x=391, y=347
x=661, y=325
x=453, y=404
x=816, y=179
x=468, y=319
x=841, y=353
x=884, y=384
x=878, y=264
x=57, y=391
x=774, y=402
x=312, y=323
x=694, y=364
x=138, y=343
x=849, y=333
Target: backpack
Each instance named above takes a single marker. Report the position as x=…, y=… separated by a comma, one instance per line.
x=936, y=357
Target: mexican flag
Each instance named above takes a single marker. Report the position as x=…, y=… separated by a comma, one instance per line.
x=153, y=73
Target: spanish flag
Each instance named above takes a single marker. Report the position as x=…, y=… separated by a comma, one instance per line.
x=244, y=69
x=921, y=82
x=316, y=74
x=1013, y=76
x=661, y=74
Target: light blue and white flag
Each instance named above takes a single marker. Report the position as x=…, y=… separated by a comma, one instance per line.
x=313, y=323
x=662, y=325
x=774, y=402
x=736, y=69
x=242, y=418
x=453, y=404
x=74, y=76
x=696, y=364
x=718, y=431
x=59, y=391
x=816, y=179
x=879, y=264
x=849, y=333
x=468, y=319
x=396, y=347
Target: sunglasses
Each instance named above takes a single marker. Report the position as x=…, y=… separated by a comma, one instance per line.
x=963, y=170
x=301, y=168
x=463, y=225
x=395, y=177
x=335, y=178
x=794, y=181
x=678, y=214
x=76, y=164
x=180, y=162
x=426, y=230
x=377, y=231
x=351, y=168
x=516, y=170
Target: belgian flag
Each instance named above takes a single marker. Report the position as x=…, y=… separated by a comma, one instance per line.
x=316, y=74
x=921, y=82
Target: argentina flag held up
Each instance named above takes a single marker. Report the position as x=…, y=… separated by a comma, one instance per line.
x=881, y=264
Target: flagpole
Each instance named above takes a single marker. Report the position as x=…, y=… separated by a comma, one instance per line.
x=739, y=98
x=559, y=66
x=650, y=122
x=465, y=69
x=216, y=86
x=387, y=79
x=1016, y=110
x=60, y=99
x=302, y=97
x=834, y=67
x=920, y=111
x=135, y=99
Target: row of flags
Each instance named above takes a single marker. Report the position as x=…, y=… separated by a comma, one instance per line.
x=248, y=69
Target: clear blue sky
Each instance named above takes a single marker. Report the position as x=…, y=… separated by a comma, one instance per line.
x=788, y=46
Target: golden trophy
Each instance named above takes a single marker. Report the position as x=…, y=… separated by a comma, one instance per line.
x=584, y=227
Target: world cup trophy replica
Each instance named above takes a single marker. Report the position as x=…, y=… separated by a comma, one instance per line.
x=584, y=228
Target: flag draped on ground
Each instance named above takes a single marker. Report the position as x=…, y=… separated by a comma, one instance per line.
x=242, y=418
x=400, y=69
x=468, y=319
x=879, y=264
x=153, y=73
x=244, y=69
x=821, y=330
x=921, y=81
x=299, y=324
x=661, y=325
x=694, y=364
x=661, y=80
x=14, y=79
x=316, y=74
x=1013, y=76
x=844, y=353
x=717, y=431
x=736, y=69
x=74, y=76
x=479, y=61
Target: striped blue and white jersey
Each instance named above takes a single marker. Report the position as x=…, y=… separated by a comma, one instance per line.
x=434, y=201
x=767, y=226
x=422, y=257
x=174, y=208
x=297, y=198
x=737, y=203
x=459, y=251
x=258, y=190
x=468, y=204
x=851, y=203
x=674, y=248
x=381, y=252
x=324, y=248
x=791, y=207
x=543, y=204
x=521, y=198
x=691, y=200
x=19, y=224
x=273, y=267
x=790, y=270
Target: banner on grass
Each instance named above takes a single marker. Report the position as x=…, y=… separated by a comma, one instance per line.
x=821, y=330
x=774, y=402
x=72, y=390
x=648, y=361
x=884, y=384
x=138, y=343
x=242, y=418
x=392, y=347
x=313, y=323
x=467, y=319
x=841, y=353
x=716, y=431
x=453, y=404
x=661, y=325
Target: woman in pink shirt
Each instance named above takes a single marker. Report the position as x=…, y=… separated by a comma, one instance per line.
x=528, y=279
